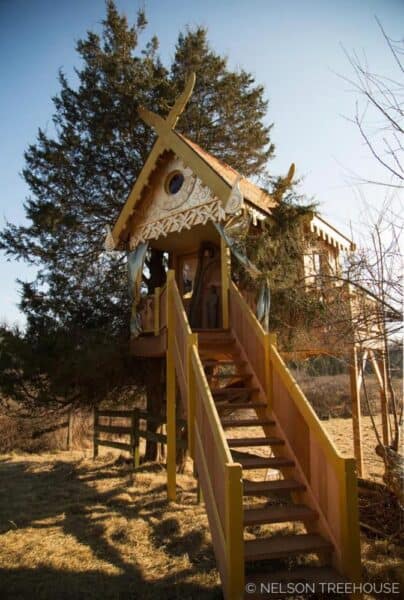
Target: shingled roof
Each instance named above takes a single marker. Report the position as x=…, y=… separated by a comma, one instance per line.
x=251, y=192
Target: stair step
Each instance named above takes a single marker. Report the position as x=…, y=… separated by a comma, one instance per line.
x=233, y=391
x=254, y=441
x=204, y=342
x=221, y=362
x=251, y=461
x=212, y=330
x=275, y=486
x=243, y=377
x=279, y=514
x=281, y=546
x=253, y=422
x=221, y=405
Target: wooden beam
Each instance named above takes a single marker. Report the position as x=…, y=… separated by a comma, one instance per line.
x=171, y=391
x=134, y=195
x=181, y=102
x=356, y=412
x=170, y=139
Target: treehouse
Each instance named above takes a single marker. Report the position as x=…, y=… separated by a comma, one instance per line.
x=225, y=373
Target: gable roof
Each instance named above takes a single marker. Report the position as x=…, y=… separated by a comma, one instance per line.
x=220, y=178
x=251, y=192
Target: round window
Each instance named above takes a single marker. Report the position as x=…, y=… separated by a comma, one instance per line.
x=174, y=182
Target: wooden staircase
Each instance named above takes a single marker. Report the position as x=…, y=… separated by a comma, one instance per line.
x=271, y=482
x=275, y=487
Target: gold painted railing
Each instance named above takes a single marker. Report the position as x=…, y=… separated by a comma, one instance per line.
x=330, y=478
x=220, y=478
x=251, y=336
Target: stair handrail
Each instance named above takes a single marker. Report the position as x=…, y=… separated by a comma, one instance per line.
x=219, y=476
x=306, y=437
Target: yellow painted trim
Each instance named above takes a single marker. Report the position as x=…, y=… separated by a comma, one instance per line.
x=351, y=547
x=171, y=391
x=306, y=410
x=234, y=532
x=170, y=139
x=255, y=324
x=210, y=493
x=135, y=193
x=181, y=102
x=201, y=382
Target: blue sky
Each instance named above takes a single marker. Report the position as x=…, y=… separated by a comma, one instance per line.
x=293, y=48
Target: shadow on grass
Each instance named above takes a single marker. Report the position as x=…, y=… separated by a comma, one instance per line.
x=44, y=494
x=44, y=583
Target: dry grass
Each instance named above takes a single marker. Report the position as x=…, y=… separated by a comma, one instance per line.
x=330, y=395
x=45, y=433
x=71, y=528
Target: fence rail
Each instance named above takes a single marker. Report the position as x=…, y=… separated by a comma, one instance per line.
x=133, y=431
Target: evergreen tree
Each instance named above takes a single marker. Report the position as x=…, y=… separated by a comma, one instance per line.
x=80, y=175
x=226, y=110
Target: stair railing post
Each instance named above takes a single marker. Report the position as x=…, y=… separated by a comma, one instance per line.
x=95, y=421
x=234, y=530
x=171, y=389
x=350, y=536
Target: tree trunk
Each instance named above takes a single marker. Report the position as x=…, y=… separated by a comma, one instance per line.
x=394, y=471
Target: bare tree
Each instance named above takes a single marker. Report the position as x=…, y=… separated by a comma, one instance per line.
x=377, y=267
x=379, y=110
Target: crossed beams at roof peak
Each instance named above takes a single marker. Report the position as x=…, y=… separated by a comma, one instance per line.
x=165, y=125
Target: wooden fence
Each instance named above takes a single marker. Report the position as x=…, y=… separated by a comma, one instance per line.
x=132, y=430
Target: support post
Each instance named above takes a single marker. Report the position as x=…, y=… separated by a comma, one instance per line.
x=171, y=391
x=225, y=275
x=95, y=444
x=356, y=411
x=234, y=527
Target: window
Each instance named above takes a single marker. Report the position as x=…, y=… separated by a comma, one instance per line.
x=174, y=182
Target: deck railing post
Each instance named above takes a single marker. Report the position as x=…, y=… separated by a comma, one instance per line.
x=171, y=390
x=192, y=341
x=234, y=528
x=350, y=537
